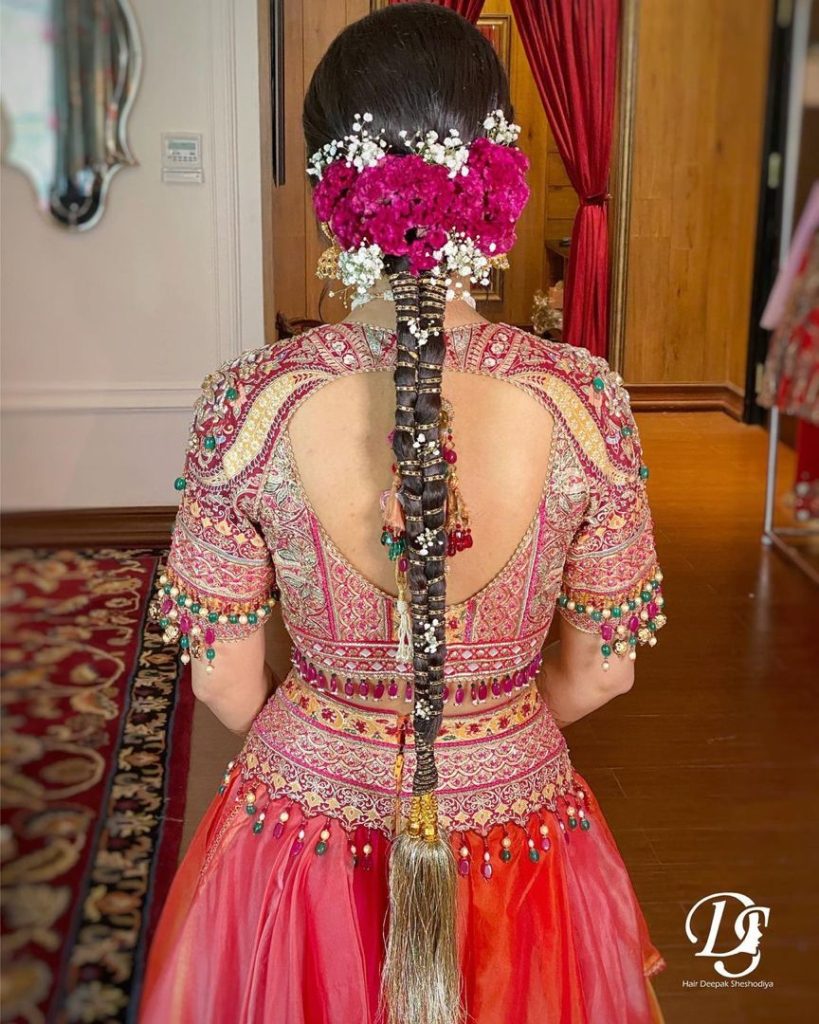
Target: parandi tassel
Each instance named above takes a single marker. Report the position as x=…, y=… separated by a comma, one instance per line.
x=404, y=652
x=420, y=979
x=393, y=537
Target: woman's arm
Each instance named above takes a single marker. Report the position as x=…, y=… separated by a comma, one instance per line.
x=239, y=684
x=242, y=678
x=572, y=680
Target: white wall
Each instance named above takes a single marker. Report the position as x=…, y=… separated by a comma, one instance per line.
x=107, y=334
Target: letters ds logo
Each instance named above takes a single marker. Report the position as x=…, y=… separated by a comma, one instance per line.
x=749, y=921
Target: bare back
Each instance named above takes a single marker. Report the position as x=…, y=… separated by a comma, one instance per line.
x=502, y=438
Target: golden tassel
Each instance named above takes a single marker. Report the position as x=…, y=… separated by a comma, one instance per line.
x=421, y=978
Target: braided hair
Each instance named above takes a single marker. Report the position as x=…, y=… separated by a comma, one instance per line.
x=416, y=67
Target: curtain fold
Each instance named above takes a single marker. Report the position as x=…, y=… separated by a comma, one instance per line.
x=571, y=46
x=469, y=9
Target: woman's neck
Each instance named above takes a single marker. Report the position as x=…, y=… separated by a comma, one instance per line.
x=381, y=313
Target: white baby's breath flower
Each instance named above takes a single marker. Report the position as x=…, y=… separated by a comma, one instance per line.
x=361, y=268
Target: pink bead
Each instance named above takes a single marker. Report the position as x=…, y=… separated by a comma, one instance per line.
x=482, y=691
x=652, y=609
x=496, y=688
x=392, y=689
x=520, y=679
x=451, y=456
x=545, y=843
x=166, y=606
x=378, y=692
x=468, y=540
x=210, y=636
x=184, y=623
x=508, y=684
x=334, y=683
x=311, y=673
x=278, y=830
x=446, y=693
x=363, y=688
x=321, y=681
x=349, y=689
x=463, y=866
x=297, y=847
x=633, y=623
x=408, y=691
x=403, y=564
x=459, y=695
x=486, y=870
x=607, y=631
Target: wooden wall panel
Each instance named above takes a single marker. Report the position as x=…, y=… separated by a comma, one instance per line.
x=701, y=82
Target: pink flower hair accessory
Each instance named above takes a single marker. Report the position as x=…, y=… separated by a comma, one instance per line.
x=448, y=206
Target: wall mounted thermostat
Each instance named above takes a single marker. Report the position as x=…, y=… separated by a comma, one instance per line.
x=182, y=158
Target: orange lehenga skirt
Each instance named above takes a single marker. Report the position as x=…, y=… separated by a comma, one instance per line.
x=277, y=913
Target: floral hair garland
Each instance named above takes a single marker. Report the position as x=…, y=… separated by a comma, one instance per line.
x=448, y=206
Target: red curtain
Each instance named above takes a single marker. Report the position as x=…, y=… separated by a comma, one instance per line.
x=572, y=49
x=469, y=9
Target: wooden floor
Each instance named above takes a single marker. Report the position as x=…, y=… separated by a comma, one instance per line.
x=707, y=770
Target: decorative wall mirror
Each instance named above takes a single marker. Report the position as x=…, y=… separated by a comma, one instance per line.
x=71, y=69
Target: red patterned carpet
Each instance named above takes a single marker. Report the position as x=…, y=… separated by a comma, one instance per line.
x=95, y=746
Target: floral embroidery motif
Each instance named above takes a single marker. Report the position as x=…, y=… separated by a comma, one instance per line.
x=499, y=765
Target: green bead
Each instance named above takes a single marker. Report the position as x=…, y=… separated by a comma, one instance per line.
x=644, y=472
x=257, y=827
x=597, y=615
x=386, y=537
x=209, y=443
x=626, y=431
x=181, y=600
x=265, y=609
x=252, y=618
x=167, y=588
x=632, y=605
x=163, y=622
x=585, y=824
x=321, y=847
x=646, y=595
x=233, y=619
x=180, y=483
x=231, y=394
x=563, y=600
x=598, y=383
x=616, y=611
x=534, y=856
x=222, y=788
x=184, y=642
x=506, y=855
x=213, y=616
x=250, y=808
x=652, y=625
x=210, y=654
x=196, y=608
x=633, y=639
x=572, y=822
x=580, y=608
x=605, y=650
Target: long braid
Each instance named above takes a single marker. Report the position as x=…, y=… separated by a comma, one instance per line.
x=420, y=978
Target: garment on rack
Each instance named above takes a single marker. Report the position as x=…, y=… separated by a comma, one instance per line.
x=791, y=376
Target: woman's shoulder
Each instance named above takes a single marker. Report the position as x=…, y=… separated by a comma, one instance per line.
x=581, y=390
x=244, y=404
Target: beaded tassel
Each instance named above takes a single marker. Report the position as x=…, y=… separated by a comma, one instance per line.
x=459, y=534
